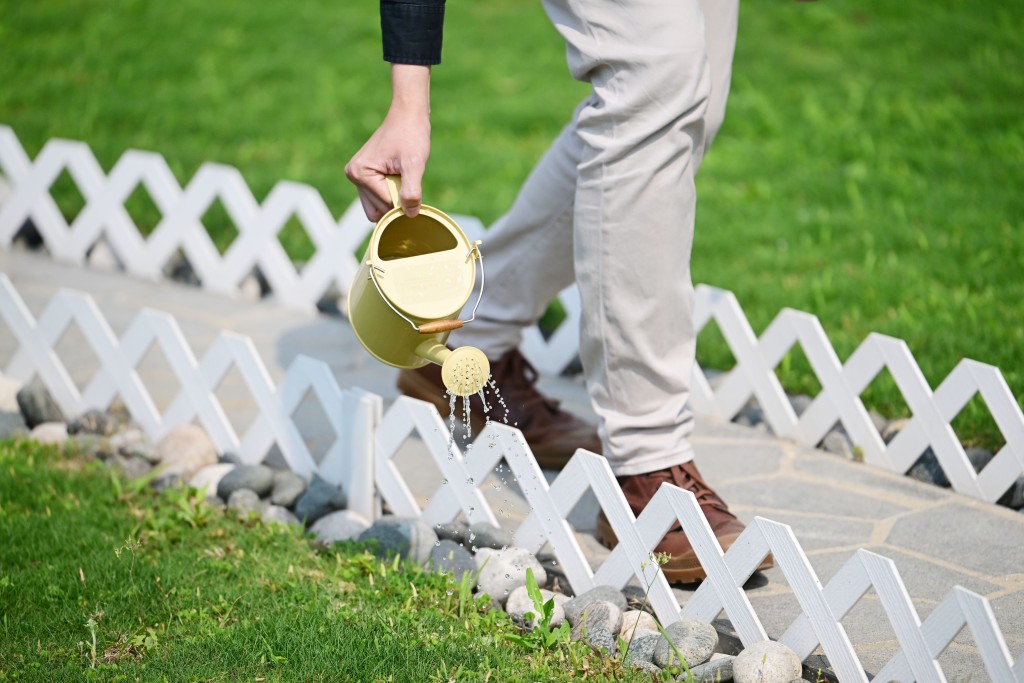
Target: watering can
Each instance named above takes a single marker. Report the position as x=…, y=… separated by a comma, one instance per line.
x=405, y=299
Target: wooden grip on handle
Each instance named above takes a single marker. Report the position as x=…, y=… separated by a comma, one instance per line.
x=439, y=326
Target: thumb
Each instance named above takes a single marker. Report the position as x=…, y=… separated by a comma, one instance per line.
x=411, y=194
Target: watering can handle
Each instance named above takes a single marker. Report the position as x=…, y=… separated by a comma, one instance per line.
x=394, y=187
x=439, y=326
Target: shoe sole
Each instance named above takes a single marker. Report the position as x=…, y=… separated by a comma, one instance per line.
x=685, y=568
x=415, y=386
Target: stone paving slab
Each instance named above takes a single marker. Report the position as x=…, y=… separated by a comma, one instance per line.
x=936, y=538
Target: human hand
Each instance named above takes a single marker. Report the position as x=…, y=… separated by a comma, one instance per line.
x=400, y=146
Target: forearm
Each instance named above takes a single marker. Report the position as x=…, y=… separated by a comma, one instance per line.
x=410, y=90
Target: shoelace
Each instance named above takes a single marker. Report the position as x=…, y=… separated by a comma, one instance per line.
x=693, y=483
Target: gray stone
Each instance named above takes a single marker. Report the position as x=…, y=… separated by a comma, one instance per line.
x=519, y=603
x=800, y=403
x=12, y=424
x=1014, y=496
x=209, y=477
x=893, y=428
x=178, y=268
x=879, y=421
x=50, y=432
x=185, y=450
x=502, y=571
x=718, y=668
x=257, y=478
x=750, y=416
x=133, y=468
x=642, y=648
x=766, y=662
x=979, y=457
x=287, y=488
x=167, y=481
x=636, y=597
x=454, y=531
x=646, y=667
x=574, y=608
x=451, y=558
x=484, y=535
x=341, y=525
x=928, y=470
x=275, y=514
x=37, y=405
x=245, y=503
x=412, y=539
x=839, y=443
x=319, y=499
x=133, y=442
x=695, y=641
x=91, y=445
x=638, y=622
x=599, y=625
x=92, y=422
x=230, y=457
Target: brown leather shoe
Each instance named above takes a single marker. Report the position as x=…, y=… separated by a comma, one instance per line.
x=552, y=433
x=683, y=565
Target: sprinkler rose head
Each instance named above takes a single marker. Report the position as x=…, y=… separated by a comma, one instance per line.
x=465, y=371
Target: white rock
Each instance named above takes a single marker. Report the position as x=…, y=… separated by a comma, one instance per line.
x=342, y=525
x=639, y=621
x=250, y=289
x=185, y=450
x=519, y=603
x=102, y=257
x=766, y=662
x=502, y=571
x=9, y=394
x=50, y=432
x=209, y=477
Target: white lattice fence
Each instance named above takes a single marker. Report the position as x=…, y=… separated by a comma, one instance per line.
x=333, y=265
x=351, y=414
x=841, y=387
x=366, y=443
x=822, y=607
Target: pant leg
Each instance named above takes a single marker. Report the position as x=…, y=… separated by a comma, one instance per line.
x=643, y=134
x=619, y=180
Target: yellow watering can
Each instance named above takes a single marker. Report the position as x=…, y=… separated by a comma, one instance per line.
x=406, y=297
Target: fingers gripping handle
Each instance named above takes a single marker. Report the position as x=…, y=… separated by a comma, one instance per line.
x=394, y=188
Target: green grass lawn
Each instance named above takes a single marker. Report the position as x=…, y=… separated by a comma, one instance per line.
x=869, y=170
x=97, y=584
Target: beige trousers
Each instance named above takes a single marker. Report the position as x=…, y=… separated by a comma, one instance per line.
x=611, y=206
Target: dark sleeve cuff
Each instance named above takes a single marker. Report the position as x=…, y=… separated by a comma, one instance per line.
x=411, y=31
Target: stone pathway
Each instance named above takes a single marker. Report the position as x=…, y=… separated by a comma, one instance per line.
x=937, y=538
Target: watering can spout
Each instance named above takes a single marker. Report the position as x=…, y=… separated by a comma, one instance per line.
x=464, y=371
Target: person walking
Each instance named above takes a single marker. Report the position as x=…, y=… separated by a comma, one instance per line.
x=611, y=207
